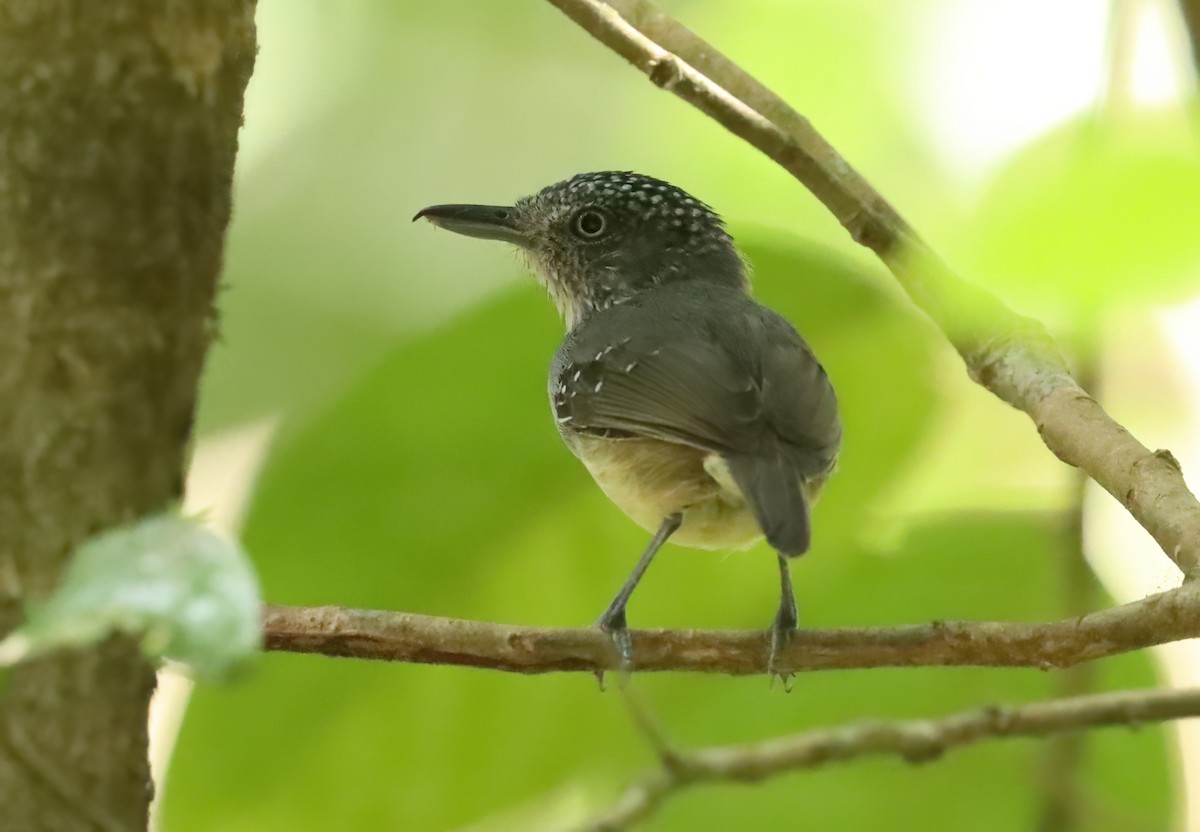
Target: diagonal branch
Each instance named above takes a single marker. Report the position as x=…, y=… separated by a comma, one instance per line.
x=405, y=637
x=916, y=741
x=1009, y=354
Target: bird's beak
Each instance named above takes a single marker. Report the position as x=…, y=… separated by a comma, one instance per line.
x=489, y=222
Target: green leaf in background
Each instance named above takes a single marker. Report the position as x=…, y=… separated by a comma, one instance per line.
x=1099, y=214
x=393, y=496
x=190, y=595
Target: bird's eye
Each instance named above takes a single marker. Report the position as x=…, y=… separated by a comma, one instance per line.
x=590, y=224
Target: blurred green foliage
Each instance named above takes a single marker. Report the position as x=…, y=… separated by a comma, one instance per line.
x=416, y=466
x=1105, y=213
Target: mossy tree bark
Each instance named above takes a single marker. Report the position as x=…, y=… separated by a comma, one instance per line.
x=118, y=130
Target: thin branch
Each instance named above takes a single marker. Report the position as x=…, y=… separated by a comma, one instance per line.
x=916, y=741
x=405, y=637
x=1009, y=354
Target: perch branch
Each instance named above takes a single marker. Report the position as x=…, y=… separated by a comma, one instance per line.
x=1011, y=355
x=405, y=637
x=915, y=741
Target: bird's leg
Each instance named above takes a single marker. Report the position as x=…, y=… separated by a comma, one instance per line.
x=784, y=626
x=613, y=619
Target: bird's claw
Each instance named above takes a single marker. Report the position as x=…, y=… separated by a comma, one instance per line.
x=782, y=632
x=623, y=643
x=618, y=635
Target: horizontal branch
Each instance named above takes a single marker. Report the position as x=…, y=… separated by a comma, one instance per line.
x=1011, y=355
x=916, y=741
x=405, y=637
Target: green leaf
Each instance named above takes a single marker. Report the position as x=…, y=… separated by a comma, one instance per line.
x=190, y=594
x=444, y=448
x=1095, y=215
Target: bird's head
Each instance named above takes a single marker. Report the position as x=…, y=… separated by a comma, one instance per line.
x=597, y=239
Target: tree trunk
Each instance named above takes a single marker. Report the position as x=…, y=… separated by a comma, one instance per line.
x=118, y=130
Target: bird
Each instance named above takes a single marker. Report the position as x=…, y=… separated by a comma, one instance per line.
x=701, y=413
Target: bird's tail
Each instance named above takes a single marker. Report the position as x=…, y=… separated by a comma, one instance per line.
x=772, y=487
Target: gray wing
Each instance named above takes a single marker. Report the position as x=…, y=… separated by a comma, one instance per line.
x=728, y=377
x=799, y=403
x=681, y=391
x=742, y=383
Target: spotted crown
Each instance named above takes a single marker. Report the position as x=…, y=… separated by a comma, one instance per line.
x=634, y=198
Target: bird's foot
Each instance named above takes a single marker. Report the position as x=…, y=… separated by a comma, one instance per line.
x=612, y=623
x=783, y=629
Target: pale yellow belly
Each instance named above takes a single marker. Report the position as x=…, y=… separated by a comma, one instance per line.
x=650, y=480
